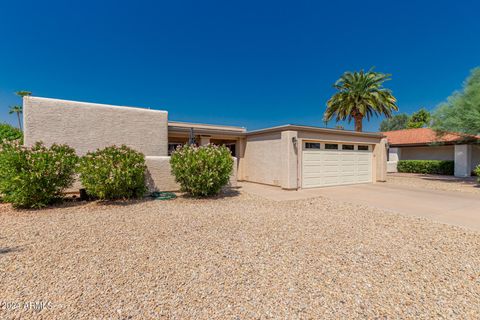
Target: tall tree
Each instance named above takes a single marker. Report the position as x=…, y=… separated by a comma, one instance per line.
x=23, y=93
x=419, y=119
x=396, y=122
x=360, y=94
x=461, y=112
x=18, y=110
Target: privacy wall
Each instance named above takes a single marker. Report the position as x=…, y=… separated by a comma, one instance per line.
x=88, y=126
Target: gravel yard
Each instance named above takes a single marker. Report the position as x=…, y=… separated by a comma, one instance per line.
x=234, y=257
x=435, y=182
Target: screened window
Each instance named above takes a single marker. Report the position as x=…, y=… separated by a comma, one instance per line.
x=347, y=146
x=312, y=145
x=363, y=148
x=331, y=146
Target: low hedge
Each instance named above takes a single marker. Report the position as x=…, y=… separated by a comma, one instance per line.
x=202, y=171
x=113, y=173
x=476, y=171
x=9, y=133
x=444, y=167
x=37, y=176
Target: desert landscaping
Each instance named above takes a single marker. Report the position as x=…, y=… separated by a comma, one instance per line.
x=235, y=256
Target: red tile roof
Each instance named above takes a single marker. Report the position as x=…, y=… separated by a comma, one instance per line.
x=424, y=136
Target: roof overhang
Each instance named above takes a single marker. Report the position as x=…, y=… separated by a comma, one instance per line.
x=205, y=129
x=294, y=127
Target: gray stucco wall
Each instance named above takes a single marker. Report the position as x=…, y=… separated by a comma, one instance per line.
x=89, y=126
x=427, y=153
x=475, y=156
x=262, y=159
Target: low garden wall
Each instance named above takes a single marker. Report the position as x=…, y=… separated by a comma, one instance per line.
x=159, y=177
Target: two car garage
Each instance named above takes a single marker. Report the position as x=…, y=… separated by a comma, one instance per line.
x=295, y=157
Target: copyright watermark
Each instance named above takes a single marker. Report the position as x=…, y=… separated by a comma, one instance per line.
x=35, y=306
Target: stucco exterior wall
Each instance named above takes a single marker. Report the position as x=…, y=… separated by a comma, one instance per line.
x=89, y=126
x=379, y=161
x=159, y=177
x=261, y=161
x=427, y=153
x=335, y=137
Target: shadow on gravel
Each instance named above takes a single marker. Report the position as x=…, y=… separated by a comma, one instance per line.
x=9, y=250
x=229, y=192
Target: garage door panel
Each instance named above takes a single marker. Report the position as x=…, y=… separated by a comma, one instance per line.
x=335, y=167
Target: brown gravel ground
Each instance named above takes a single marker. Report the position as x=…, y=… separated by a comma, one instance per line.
x=435, y=182
x=236, y=257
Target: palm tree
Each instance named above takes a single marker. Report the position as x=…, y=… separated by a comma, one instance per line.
x=18, y=110
x=360, y=94
x=23, y=93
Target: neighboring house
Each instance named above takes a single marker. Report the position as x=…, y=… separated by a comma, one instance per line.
x=425, y=144
x=289, y=156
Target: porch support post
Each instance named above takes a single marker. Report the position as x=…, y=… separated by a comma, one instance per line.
x=204, y=140
x=463, y=160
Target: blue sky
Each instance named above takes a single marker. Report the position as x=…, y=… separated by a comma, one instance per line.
x=249, y=63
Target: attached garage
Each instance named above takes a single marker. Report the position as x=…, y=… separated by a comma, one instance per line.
x=328, y=164
x=295, y=157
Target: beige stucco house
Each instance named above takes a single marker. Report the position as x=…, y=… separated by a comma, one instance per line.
x=290, y=156
x=426, y=144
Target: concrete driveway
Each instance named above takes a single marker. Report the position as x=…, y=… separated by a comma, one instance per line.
x=456, y=208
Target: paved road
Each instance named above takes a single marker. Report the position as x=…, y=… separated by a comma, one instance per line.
x=451, y=207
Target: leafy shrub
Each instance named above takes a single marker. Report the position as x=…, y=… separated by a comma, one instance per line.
x=9, y=133
x=202, y=171
x=477, y=172
x=426, y=166
x=113, y=173
x=35, y=177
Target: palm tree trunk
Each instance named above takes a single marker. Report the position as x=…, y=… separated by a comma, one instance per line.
x=358, y=122
x=19, y=122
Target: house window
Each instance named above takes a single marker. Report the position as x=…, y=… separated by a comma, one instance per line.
x=172, y=147
x=347, y=146
x=363, y=148
x=312, y=145
x=331, y=146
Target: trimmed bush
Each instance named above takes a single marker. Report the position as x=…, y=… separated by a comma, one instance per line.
x=477, y=172
x=113, y=173
x=35, y=177
x=202, y=171
x=9, y=133
x=426, y=166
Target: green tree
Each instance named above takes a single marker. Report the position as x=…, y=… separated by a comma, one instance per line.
x=23, y=93
x=360, y=94
x=9, y=133
x=397, y=122
x=419, y=119
x=18, y=110
x=461, y=112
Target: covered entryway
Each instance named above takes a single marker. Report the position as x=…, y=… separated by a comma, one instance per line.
x=330, y=164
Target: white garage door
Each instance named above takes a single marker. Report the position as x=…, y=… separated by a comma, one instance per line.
x=329, y=164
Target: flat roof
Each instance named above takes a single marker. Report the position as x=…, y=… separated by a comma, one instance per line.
x=189, y=125
x=89, y=104
x=297, y=127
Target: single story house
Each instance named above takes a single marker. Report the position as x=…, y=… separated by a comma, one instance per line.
x=426, y=144
x=288, y=156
